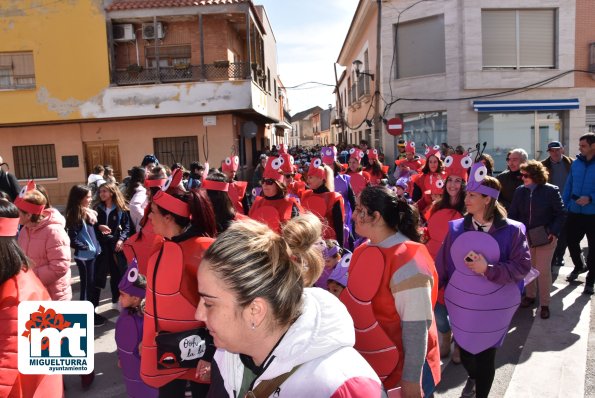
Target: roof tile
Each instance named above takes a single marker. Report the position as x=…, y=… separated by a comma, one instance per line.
x=118, y=5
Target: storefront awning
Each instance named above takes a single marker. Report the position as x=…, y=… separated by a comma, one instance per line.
x=526, y=105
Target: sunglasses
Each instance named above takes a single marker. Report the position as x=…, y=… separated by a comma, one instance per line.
x=525, y=175
x=268, y=181
x=289, y=175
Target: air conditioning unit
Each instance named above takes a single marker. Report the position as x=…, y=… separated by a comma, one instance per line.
x=149, y=31
x=124, y=32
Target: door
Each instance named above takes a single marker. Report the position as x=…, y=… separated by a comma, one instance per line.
x=105, y=153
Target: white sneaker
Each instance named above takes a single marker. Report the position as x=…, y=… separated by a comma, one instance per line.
x=115, y=306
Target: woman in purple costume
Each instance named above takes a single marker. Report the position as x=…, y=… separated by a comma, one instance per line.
x=129, y=332
x=483, y=258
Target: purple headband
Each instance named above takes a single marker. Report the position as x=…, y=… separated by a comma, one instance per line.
x=330, y=252
x=127, y=282
x=476, y=176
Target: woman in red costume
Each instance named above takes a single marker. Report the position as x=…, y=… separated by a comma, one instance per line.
x=432, y=170
x=375, y=169
x=18, y=283
x=359, y=179
x=187, y=222
x=274, y=208
x=321, y=200
x=237, y=189
x=144, y=243
x=390, y=294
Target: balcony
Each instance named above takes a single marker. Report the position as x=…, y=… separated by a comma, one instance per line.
x=190, y=73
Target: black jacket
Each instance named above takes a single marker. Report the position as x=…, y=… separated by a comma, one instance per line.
x=548, y=165
x=9, y=184
x=543, y=206
x=119, y=223
x=509, y=180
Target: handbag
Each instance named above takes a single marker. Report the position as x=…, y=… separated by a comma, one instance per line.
x=538, y=236
x=180, y=350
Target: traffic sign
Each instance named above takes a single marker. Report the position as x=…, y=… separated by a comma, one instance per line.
x=395, y=126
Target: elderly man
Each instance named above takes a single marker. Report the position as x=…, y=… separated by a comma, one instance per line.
x=510, y=178
x=558, y=167
x=8, y=182
x=579, y=199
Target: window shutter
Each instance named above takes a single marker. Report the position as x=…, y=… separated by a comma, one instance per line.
x=421, y=47
x=498, y=32
x=537, y=38
x=590, y=119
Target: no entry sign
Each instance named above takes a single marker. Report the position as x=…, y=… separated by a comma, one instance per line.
x=395, y=126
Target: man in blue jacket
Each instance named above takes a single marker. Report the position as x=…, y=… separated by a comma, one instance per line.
x=579, y=199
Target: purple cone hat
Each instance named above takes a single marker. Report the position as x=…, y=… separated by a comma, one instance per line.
x=127, y=282
x=340, y=272
x=477, y=175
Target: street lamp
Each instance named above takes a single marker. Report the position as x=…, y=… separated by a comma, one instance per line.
x=358, y=64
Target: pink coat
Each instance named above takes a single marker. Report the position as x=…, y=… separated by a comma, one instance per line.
x=48, y=246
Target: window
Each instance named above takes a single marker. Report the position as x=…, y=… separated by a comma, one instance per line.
x=518, y=38
x=590, y=120
x=168, y=56
x=170, y=150
x=17, y=71
x=420, y=47
x=35, y=161
x=428, y=128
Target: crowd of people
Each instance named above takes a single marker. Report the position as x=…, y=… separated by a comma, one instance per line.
x=328, y=274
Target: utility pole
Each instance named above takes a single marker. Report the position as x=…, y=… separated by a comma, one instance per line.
x=378, y=82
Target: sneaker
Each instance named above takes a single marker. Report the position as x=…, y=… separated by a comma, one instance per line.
x=588, y=290
x=545, y=312
x=115, y=306
x=469, y=389
x=99, y=320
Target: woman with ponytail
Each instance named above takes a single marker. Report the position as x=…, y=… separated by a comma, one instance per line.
x=267, y=326
x=186, y=221
x=393, y=281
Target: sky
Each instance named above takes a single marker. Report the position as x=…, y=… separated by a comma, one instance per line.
x=309, y=36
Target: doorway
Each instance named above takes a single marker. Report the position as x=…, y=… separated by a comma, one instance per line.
x=103, y=153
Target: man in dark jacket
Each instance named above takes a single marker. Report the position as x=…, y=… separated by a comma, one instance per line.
x=510, y=178
x=558, y=167
x=8, y=182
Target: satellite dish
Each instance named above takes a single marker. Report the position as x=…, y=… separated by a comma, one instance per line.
x=249, y=129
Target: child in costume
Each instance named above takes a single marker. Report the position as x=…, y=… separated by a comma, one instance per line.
x=129, y=332
x=332, y=255
x=337, y=280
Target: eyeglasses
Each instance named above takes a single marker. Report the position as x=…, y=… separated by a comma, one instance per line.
x=268, y=181
x=289, y=175
x=525, y=175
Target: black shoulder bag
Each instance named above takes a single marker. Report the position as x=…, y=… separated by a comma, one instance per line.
x=180, y=349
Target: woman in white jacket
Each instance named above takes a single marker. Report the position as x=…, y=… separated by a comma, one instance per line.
x=266, y=325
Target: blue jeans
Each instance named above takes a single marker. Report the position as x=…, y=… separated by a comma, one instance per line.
x=87, y=275
x=441, y=315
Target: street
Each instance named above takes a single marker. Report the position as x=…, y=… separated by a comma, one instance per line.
x=540, y=358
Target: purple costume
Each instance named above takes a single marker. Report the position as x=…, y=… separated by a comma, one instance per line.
x=481, y=307
x=342, y=182
x=129, y=334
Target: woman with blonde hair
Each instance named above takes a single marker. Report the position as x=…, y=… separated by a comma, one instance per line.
x=44, y=240
x=271, y=333
x=539, y=206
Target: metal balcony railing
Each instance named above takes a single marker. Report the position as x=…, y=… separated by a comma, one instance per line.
x=208, y=72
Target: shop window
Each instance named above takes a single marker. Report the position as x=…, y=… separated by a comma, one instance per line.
x=35, y=161
x=428, y=128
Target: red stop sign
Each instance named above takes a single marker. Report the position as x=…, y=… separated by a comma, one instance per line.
x=395, y=126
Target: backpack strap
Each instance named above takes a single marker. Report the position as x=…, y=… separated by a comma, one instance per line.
x=267, y=387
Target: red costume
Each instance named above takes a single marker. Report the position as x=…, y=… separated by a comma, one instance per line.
x=272, y=212
x=24, y=286
x=237, y=189
x=321, y=204
x=142, y=245
x=370, y=301
x=176, y=288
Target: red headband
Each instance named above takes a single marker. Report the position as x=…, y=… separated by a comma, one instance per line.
x=155, y=183
x=9, y=226
x=215, y=185
x=171, y=204
x=28, y=207
x=317, y=172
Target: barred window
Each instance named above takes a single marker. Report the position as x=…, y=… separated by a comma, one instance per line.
x=35, y=161
x=169, y=56
x=17, y=71
x=170, y=150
